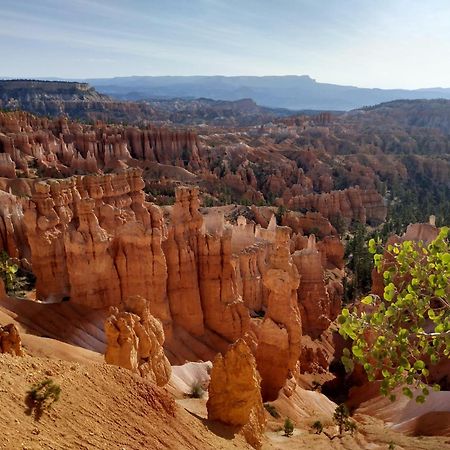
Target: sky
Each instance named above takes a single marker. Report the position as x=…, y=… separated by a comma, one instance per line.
x=367, y=43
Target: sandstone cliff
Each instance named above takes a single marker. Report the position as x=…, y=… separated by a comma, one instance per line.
x=97, y=232
x=95, y=242
x=351, y=204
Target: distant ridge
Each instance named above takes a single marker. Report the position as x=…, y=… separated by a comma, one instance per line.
x=80, y=101
x=292, y=91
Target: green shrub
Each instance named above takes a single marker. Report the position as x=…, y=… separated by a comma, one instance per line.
x=409, y=325
x=341, y=419
x=288, y=427
x=317, y=426
x=272, y=410
x=197, y=391
x=16, y=280
x=41, y=396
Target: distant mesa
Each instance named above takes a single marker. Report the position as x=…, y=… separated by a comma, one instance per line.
x=292, y=92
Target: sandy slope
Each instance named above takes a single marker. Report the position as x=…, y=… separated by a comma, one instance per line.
x=65, y=321
x=104, y=407
x=407, y=416
x=101, y=407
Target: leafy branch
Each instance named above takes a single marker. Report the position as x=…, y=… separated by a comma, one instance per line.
x=397, y=337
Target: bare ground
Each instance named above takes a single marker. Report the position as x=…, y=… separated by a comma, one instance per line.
x=100, y=407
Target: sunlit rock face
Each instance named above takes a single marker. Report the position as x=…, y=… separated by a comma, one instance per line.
x=94, y=241
x=234, y=393
x=279, y=334
x=135, y=341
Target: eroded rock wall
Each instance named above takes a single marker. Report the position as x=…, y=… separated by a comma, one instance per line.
x=350, y=204
x=94, y=240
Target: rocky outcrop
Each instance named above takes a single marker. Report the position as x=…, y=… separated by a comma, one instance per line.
x=350, y=204
x=309, y=223
x=332, y=250
x=7, y=166
x=234, y=393
x=135, y=341
x=201, y=278
x=94, y=241
x=181, y=251
x=279, y=333
x=10, y=341
x=317, y=308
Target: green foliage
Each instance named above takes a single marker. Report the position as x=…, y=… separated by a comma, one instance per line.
x=415, y=202
x=288, y=427
x=197, y=391
x=272, y=410
x=338, y=222
x=341, y=419
x=14, y=283
x=359, y=262
x=41, y=396
x=397, y=337
x=281, y=211
x=315, y=231
x=317, y=427
x=208, y=201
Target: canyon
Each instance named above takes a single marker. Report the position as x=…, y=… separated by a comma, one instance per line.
x=188, y=256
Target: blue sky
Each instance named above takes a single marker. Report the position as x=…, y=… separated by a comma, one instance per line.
x=371, y=43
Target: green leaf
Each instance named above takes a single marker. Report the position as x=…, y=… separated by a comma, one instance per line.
x=419, y=365
x=348, y=364
x=357, y=351
x=420, y=399
x=407, y=391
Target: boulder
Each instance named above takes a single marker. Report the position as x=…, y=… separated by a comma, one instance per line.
x=10, y=341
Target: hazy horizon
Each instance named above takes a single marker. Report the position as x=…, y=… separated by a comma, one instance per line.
x=391, y=44
x=112, y=76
